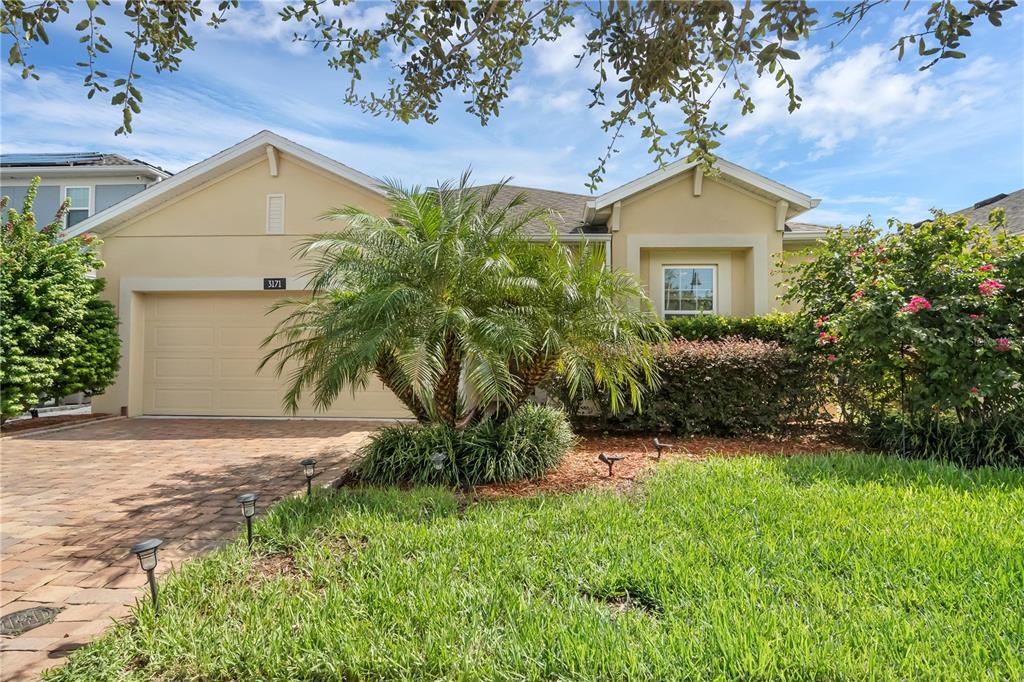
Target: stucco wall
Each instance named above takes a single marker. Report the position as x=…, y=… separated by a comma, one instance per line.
x=725, y=226
x=214, y=238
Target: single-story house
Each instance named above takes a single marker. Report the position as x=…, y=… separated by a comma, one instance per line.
x=92, y=181
x=1012, y=205
x=194, y=262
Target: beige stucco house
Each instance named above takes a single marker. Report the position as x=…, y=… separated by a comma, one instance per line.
x=194, y=262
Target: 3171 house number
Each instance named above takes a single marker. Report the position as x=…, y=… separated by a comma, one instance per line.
x=275, y=283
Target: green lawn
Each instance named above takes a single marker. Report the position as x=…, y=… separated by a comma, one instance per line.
x=841, y=567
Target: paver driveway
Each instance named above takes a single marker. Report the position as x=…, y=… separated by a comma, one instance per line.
x=72, y=503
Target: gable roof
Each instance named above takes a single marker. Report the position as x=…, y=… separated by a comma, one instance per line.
x=194, y=176
x=798, y=201
x=566, y=208
x=1012, y=204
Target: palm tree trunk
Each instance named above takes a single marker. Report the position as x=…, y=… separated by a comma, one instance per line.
x=387, y=370
x=529, y=379
x=446, y=394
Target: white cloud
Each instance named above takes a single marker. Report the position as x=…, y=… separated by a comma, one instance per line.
x=866, y=94
x=558, y=57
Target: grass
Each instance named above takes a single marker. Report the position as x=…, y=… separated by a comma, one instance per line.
x=825, y=568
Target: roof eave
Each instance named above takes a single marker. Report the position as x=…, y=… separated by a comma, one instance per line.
x=129, y=169
x=798, y=201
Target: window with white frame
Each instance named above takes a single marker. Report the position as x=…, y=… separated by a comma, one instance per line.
x=81, y=204
x=688, y=289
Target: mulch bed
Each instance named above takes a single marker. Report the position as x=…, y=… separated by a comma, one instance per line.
x=580, y=469
x=48, y=422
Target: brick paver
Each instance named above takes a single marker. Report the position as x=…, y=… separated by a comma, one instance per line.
x=73, y=502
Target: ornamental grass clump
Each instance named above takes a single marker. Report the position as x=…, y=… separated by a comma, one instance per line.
x=525, y=446
x=921, y=328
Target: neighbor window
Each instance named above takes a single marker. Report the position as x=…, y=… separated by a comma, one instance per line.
x=81, y=206
x=689, y=289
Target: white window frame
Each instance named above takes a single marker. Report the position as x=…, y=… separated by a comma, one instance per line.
x=92, y=201
x=666, y=313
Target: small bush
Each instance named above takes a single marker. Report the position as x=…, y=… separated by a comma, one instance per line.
x=527, y=444
x=778, y=327
x=996, y=442
x=729, y=387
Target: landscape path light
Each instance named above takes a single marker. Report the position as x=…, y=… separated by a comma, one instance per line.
x=309, y=469
x=659, y=446
x=610, y=460
x=248, y=502
x=146, y=552
x=438, y=458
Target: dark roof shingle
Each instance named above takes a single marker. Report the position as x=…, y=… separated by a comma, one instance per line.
x=567, y=208
x=1012, y=204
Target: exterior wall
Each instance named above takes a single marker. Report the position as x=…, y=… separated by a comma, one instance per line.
x=726, y=226
x=794, y=252
x=214, y=239
x=105, y=191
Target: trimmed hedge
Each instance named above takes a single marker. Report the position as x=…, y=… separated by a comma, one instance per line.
x=727, y=388
x=526, y=445
x=778, y=327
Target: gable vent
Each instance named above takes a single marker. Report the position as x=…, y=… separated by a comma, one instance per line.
x=275, y=214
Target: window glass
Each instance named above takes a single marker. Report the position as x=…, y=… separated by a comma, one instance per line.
x=79, y=197
x=80, y=208
x=689, y=290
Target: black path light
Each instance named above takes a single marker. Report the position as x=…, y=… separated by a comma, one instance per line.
x=146, y=551
x=248, y=502
x=610, y=460
x=659, y=446
x=309, y=469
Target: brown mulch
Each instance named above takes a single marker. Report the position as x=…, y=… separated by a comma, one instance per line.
x=48, y=422
x=580, y=469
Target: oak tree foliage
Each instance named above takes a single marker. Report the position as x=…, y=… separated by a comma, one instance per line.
x=656, y=65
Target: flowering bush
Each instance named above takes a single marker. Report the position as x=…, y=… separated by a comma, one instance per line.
x=924, y=321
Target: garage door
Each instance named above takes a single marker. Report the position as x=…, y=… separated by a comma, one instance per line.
x=201, y=355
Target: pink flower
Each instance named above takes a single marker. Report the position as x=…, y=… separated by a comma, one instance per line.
x=974, y=390
x=824, y=338
x=987, y=267
x=917, y=304
x=1002, y=345
x=990, y=287
x=832, y=358
x=857, y=295
x=856, y=253
x=974, y=316
x=820, y=321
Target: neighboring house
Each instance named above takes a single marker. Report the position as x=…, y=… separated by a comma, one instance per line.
x=1012, y=204
x=92, y=181
x=194, y=262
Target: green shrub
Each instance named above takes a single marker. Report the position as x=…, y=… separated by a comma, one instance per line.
x=727, y=388
x=56, y=336
x=778, y=327
x=924, y=320
x=527, y=444
x=998, y=441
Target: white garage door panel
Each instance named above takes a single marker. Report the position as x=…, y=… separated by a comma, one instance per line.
x=201, y=355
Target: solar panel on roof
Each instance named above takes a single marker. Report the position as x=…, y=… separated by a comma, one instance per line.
x=49, y=159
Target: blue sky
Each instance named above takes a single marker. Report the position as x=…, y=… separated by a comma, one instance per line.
x=874, y=136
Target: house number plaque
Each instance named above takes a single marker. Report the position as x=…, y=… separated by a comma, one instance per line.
x=275, y=283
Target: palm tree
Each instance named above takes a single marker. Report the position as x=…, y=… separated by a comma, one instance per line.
x=455, y=311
